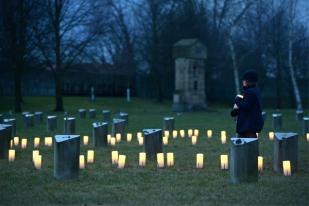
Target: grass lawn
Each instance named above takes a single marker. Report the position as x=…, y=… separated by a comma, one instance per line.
x=101, y=183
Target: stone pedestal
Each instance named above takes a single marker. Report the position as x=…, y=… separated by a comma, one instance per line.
x=51, y=124
x=106, y=115
x=299, y=115
x=169, y=124
x=305, y=125
x=13, y=123
x=264, y=115
x=29, y=120
x=152, y=142
x=5, y=138
x=125, y=116
x=38, y=117
x=82, y=113
x=277, y=122
x=99, y=134
x=69, y=125
x=92, y=113
x=66, y=156
x=285, y=148
x=119, y=126
x=244, y=160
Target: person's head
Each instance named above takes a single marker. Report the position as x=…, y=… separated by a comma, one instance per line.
x=250, y=78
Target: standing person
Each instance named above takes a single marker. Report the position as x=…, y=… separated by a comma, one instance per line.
x=247, y=107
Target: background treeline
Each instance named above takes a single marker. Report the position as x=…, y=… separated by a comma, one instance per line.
x=57, y=47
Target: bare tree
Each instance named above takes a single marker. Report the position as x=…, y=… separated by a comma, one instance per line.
x=16, y=17
x=237, y=11
x=62, y=34
x=291, y=15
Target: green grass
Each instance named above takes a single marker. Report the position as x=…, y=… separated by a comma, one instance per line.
x=101, y=183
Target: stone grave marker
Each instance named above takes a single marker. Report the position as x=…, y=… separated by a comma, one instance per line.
x=119, y=126
x=277, y=122
x=92, y=113
x=69, y=125
x=299, y=115
x=66, y=156
x=99, y=134
x=125, y=116
x=12, y=122
x=5, y=138
x=285, y=148
x=38, y=117
x=305, y=125
x=244, y=160
x=169, y=124
x=106, y=115
x=29, y=120
x=152, y=142
x=82, y=113
x=264, y=114
x=51, y=124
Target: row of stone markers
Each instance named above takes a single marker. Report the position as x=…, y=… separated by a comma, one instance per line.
x=32, y=119
x=277, y=121
x=243, y=153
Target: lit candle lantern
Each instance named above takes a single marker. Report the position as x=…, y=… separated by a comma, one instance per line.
x=286, y=168
x=190, y=132
x=11, y=155
x=36, y=142
x=34, y=154
x=141, y=140
x=16, y=141
x=115, y=157
x=271, y=135
x=11, y=143
x=166, y=133
x=182, y=133
x=223, y=137
x=113, y=141
x=196, y=132
x=129, y=137
x=139, y=134
x=38, y=162
x=142, y=159
x=224, y=162
x=121, y=161
x=165, y=140
x=175, y=134
x=160, y=160
x=307, y=135
x=194, y=140
x=23, y=143
x=257, y=134
x=260, y=163
x=85, y=140
x=209, y=133
x=170, y=159
x=81, y=161
x=118, y=137
x=109, y=139
x=90, y=156
x=199, y=160
x=48, y=141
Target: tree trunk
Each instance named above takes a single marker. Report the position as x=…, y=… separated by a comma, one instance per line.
x=278, y=82
x=291, y=68
x=17, y=80
x=58, y=90
x=235, y=68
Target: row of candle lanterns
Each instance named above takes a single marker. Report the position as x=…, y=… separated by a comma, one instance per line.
x=48, y=141
x=120, y=160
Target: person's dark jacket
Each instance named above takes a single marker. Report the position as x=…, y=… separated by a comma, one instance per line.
x=249, y=112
